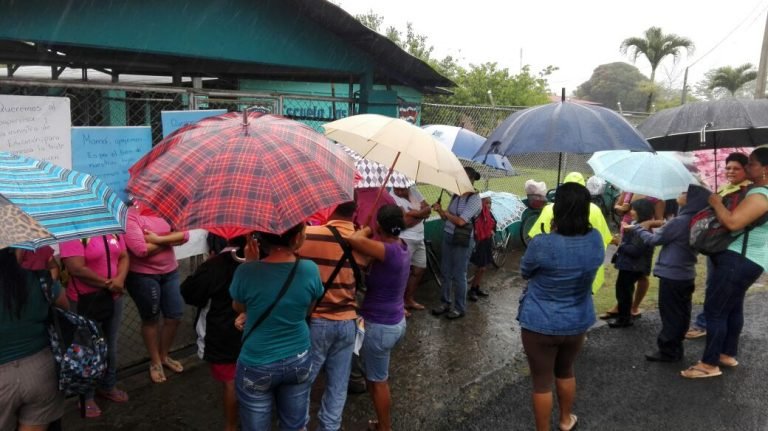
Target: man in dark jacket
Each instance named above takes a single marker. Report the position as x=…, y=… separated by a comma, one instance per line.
x=676, y=270
x=218, y=340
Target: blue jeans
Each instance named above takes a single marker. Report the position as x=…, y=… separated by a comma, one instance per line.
x=377, y=347
x=724, y=304
x=110, y=329
x=285, y=381
x=453, y=266
x=333, y=343
x=155, y=293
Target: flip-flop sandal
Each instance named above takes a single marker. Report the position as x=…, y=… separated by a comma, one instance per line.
x=156, y=373
x=574, y=422
x=415, y=307
x=608, y=315
x=730, y=363
x=173, y=365
x=695, y=372
x=115, y=395
x=92, y=409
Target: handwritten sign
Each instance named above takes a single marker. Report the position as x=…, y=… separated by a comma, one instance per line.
x=108, y=152
x=37, y=127
x=173, y=120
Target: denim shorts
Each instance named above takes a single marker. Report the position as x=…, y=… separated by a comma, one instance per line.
x=377, y=346
x=284, y=382
x=155, y=293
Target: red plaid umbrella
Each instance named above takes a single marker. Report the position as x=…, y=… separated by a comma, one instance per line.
x=229, y=178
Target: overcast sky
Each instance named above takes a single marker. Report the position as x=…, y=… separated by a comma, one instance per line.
x=578, y=36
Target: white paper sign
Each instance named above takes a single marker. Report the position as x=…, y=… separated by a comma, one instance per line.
x=37, y=127
x=195, y=246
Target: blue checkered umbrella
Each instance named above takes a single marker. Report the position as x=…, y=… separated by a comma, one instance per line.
x=42, y=204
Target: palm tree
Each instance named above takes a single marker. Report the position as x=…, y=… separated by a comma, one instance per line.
x=655, y=46
x=732, y=79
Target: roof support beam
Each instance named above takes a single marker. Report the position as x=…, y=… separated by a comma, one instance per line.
x=11, y=69
x=56, y=71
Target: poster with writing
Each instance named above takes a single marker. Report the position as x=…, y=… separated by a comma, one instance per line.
x=108, y=152
x=38, y=127
x=173, y=120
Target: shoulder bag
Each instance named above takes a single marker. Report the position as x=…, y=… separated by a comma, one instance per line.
x=268, y=311
x=98, y=306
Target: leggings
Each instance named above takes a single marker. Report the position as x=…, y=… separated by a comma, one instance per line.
x=548, y=353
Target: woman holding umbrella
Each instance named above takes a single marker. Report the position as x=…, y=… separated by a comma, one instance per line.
x=734, y=271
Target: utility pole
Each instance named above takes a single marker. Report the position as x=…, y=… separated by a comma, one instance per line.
x=762, y=68
x=685, y=87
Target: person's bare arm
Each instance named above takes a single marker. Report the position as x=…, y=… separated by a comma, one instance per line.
x=749, y=210
x=76, y=267
x=360, y=242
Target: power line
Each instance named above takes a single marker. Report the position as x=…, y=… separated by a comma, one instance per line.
x=730, y=33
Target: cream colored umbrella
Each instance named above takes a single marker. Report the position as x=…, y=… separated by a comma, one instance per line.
x=402, y=146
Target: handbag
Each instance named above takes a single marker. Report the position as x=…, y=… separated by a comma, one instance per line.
x=98, y=306
x=78, y=347
x=267, y=312
x=462, y=235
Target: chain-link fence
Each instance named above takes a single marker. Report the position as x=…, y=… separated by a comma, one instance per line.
x=93, y=104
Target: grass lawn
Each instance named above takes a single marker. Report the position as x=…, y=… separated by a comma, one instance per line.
x=606, y=297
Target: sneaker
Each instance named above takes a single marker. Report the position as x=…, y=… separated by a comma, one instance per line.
x=356, y=386
x=472, y=295
x=439, y=311
x=620, y=323
x=453, y=314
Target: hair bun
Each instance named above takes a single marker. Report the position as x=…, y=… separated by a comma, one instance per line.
x=395, y=230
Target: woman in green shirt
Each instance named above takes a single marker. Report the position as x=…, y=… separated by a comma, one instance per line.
x=30, y=398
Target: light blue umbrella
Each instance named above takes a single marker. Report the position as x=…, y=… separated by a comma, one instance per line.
x=506, y=207
x=660, y=175
x=465, y=143
x=44, y=204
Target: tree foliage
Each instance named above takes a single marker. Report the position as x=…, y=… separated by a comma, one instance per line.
x=732, y=79
x=655, y=46
x=473, y=83
x=615, y=83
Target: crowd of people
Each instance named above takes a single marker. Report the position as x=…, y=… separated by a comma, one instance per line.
x=276, y=309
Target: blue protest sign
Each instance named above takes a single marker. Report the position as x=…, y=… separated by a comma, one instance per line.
x=108, y=152
x=173, y=120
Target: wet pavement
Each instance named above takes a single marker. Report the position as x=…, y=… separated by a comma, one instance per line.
x=471, y=374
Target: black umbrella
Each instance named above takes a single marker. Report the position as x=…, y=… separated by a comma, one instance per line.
x=726, y=123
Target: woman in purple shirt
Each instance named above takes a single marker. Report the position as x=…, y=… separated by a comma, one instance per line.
x=383, y=308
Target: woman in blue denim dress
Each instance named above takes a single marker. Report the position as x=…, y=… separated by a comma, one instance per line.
x=556, y=307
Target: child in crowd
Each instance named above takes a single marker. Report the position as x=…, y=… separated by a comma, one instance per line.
x=482, y=256
x=218, y=339
x=676, y=270
x=633, y=260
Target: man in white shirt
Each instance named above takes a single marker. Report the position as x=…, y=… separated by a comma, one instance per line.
x=416, y=210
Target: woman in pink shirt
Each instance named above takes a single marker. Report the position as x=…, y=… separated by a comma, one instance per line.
x=97, y=263
x=153, y=283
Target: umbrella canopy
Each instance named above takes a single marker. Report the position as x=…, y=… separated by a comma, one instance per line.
x=563, y=127
x=229, y=178
x=660, y=175
x=373, y=174
x=42, y=204
x=465, y=143
x=725, y=123
x=402, y=146
x=507, y=208
x=709, y=165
